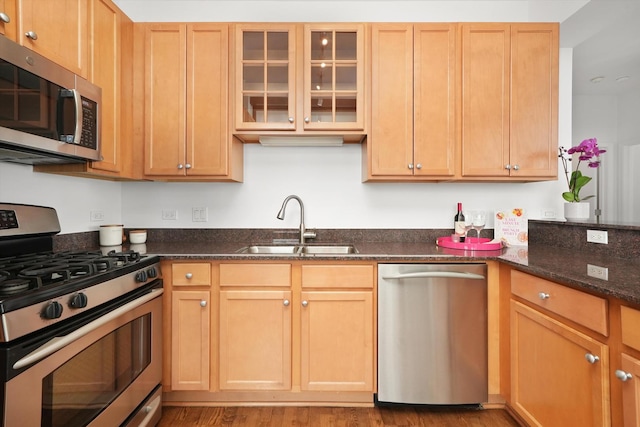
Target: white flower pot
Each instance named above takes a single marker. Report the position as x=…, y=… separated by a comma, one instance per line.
x=577, y=212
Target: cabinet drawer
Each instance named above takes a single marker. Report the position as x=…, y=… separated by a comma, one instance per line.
x=337, y=276
x=255, y=274
x=587, y=310
x=191, y=274
x=630, y=319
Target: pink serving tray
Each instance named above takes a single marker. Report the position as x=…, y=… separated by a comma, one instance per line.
x=470, y=244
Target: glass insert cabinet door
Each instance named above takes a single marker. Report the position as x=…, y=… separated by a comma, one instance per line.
x=265, y=81
x=334, y=77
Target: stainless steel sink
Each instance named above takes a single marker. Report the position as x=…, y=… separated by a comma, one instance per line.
x=329, y=249
x=269, y=249
x=299, y=249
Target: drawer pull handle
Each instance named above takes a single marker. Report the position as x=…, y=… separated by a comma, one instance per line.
x=305, y=303
x=188, y=275
x=622, y=375
x=203, y=303
x=591, y=358
x=543, y=295
x=286, y=303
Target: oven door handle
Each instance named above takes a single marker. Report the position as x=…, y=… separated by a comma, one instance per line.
x=57, y=343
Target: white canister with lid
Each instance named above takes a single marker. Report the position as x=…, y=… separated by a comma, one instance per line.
x=111, y=235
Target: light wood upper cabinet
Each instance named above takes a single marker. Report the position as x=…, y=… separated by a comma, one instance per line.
x=299, y=79
x=110, y=68
x=8, y=17
x=534, y=100
x=105, y=71
x=559, y=376
x=509, y=101
x=413, y=107
x=56, y=29
x=186, y=100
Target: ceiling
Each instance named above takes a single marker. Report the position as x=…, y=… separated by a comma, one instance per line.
x=605, y=37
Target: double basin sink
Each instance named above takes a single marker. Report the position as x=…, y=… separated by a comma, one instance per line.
x=299, y=249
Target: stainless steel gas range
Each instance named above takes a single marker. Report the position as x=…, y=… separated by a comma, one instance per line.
x=80, y=332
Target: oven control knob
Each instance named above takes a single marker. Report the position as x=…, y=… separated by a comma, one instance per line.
x=141, y=276
x=53, y=310
x=78, y=301
x=152, y=272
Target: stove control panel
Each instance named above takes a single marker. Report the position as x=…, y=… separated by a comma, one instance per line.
x=8, y=219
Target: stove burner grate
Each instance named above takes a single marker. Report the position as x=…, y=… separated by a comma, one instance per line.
x=32, y=271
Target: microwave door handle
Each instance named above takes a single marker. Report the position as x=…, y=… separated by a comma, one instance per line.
x=57, y=343
x=77, y=99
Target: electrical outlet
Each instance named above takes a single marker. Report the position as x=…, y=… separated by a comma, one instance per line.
x=199, y=214
x=597, y=236
x=169, y=214
x=598, y=272
x=96, y=216
x=548, y=214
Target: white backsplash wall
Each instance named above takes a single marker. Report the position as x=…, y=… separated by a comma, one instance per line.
x=73, y=198
x=328, y=180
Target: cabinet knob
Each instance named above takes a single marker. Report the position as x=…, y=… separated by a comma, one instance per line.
x=203, y=303
x=31, y=35
x=516, y=167
x=543, y=295
x=286, y=303
x=591, y=358
x=187, y=166
x=507, y=167
x=188, y=275
x=305, y=303
x=180, y=166
x=622, y=375
x=4, y=18
x=419, y=166
x=307, y=119
x=291, y=120
x=410, y=165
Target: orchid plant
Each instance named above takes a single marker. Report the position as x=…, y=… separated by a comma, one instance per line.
x=590, y=153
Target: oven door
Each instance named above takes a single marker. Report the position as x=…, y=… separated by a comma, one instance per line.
x=98, y=374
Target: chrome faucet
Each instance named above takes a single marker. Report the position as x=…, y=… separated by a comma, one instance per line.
x=304, y=234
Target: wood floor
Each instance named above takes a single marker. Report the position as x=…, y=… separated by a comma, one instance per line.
x=330, y=416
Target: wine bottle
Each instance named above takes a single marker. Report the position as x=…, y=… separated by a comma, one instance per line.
x=458, y=223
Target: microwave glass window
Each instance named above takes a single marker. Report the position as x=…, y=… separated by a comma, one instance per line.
x=76, y=392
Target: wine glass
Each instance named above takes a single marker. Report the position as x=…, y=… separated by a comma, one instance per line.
x=478, y=220
x=468, y=223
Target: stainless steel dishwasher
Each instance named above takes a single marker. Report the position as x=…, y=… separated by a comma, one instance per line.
x=432, y=334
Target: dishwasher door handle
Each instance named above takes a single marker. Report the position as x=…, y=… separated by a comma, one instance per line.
x=435, y=274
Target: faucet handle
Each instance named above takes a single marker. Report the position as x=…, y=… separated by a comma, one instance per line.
x=309, y=234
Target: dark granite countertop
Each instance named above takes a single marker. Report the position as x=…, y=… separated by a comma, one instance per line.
x=556, y=251
x=552, y=263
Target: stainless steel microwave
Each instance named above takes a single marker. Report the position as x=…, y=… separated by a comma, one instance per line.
x=47, y=113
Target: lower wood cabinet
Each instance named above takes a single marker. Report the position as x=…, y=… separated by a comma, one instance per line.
x=255, y=340
x=559, y=376
x=336, y=333
x=190, y=321
x=187, y=321
x=336, y=341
